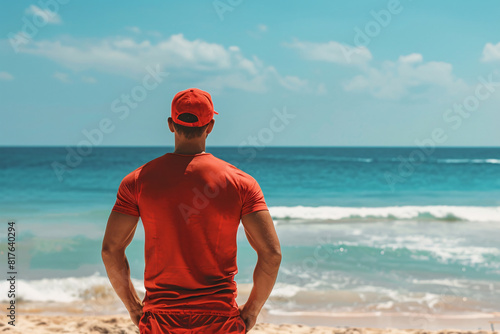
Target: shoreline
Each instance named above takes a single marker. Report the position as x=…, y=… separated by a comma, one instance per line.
x=100, y=307
x=91, y=317
x=399, y=321
x=120, y=323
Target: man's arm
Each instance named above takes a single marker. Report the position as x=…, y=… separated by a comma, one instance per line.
x=261, y=234
x=119, y=233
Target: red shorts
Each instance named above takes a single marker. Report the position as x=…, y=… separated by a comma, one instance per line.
x=182, y=322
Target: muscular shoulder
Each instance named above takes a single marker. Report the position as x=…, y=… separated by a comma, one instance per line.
x=243, y=182
x=148, y=167
x=235, y=172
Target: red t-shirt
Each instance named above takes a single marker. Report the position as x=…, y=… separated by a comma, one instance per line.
x=190, y=206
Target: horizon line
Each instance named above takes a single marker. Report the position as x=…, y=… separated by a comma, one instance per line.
x=247, y=146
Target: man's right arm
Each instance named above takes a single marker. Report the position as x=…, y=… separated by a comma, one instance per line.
x=261, y=234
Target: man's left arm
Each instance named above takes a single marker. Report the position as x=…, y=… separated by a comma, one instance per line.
x=119, y=233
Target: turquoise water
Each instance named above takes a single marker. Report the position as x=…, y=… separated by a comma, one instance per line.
x=362, y=229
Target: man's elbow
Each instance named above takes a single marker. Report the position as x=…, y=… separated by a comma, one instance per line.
x=272, y=256
x=109, y=251
x=277, y=257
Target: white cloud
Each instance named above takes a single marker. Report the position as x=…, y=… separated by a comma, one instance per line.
x=411, y=58
x=262, y=27
x=491, y=52
x=258, y=32
x=48, y=16
x=90, y=80
x=177, y=55
x=237, y=80
x=395, y=80
x=6, y=76
x=135, y=30
x=154, y=33
x=321, y=90
x=333, y=52
x=63, y=77
x=126, y=56
x=293, y=83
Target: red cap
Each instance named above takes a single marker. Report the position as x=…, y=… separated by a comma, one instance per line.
x=193, y=101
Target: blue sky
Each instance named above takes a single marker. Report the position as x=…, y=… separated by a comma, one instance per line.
x=336, y=73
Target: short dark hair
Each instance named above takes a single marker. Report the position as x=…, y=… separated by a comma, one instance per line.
x=189, y=132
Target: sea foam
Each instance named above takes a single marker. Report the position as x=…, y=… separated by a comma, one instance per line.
x=439, y=213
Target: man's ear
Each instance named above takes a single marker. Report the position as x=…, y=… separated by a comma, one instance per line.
x=170, y=122
x=210, y=126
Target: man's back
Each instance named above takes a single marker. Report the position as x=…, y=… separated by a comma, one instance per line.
x=191, y=206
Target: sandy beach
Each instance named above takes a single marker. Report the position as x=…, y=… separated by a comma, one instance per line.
x=120, y=324
x=108, y=316
x=102, y=312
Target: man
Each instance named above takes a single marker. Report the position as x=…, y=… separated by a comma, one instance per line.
x=191, y=204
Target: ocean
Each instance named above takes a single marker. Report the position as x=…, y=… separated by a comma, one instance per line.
x=387, y=230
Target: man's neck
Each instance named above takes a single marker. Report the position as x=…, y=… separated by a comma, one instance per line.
x=189, y=148
x=187, y=152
